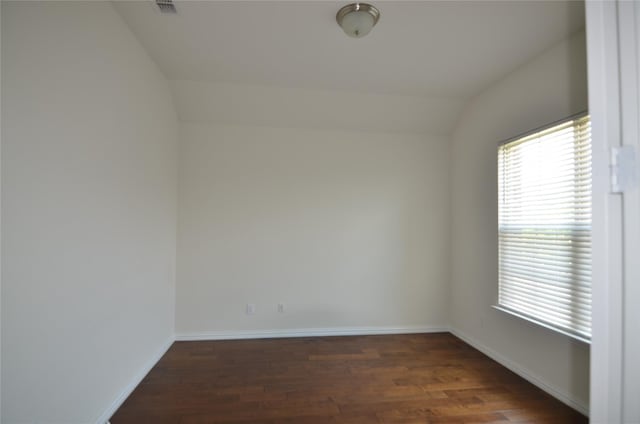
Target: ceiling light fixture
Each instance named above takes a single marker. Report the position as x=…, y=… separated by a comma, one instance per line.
x=357, y=19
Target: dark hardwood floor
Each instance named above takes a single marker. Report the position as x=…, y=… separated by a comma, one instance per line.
x=419, y=378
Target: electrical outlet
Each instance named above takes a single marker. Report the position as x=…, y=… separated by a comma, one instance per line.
x=281, y=308
x=251, y=308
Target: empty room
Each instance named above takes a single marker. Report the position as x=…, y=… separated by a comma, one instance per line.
x=319, y=212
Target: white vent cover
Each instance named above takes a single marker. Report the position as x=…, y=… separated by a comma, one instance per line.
x=166, y=6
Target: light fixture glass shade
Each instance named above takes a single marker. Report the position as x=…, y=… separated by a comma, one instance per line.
x=357, y=24
x=357, y=19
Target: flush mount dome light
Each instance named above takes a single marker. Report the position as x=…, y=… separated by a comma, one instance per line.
x=357, y=19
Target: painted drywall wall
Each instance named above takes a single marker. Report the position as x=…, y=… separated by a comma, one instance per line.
x=550, y=87
x=281, y=107
x=88, y=207
x=347, y=229
x=0, y=215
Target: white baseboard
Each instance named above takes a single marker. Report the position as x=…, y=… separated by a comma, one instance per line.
x=307, y=332
x=106, y=415
x=528, y=375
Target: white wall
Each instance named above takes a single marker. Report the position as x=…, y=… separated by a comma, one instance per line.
x=0, y=216
x=281, y=107
x=550, y=87
x=349, y=228
x=346, y=228
x=88, y=211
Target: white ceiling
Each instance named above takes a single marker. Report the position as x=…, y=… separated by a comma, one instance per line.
x=419, y=48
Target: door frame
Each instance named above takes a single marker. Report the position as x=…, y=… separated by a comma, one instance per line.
x=613, y=52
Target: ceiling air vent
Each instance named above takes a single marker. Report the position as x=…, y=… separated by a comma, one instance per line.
x=166, y=6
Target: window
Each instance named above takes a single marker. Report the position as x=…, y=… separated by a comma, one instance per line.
x=544, y=194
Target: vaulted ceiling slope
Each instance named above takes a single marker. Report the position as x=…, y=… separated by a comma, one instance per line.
x=436, y=49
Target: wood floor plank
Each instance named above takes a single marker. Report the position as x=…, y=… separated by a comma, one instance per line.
x=390, y=379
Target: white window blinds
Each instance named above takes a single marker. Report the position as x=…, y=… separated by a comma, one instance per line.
x=544, y=194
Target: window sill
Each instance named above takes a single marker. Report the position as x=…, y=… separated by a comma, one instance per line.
x=542, y=324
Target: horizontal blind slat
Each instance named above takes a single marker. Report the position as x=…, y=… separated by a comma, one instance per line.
x=544, y=220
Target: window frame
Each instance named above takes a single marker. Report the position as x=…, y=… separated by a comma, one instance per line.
x=514, y=312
